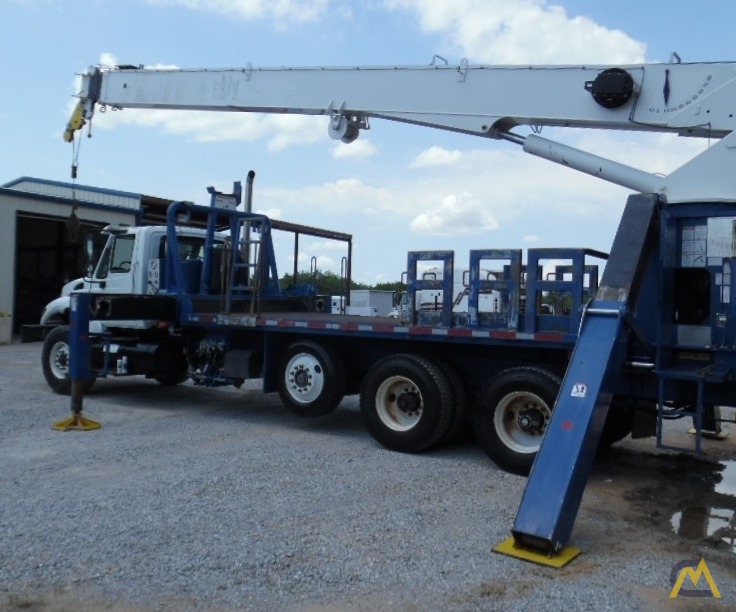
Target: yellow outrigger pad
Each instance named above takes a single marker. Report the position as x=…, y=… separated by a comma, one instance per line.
x=511, y=548
x=713, y=435
x=76, y=422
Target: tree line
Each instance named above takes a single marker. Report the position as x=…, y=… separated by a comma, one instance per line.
x=329, y=283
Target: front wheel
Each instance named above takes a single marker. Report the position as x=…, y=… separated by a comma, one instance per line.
x=512, y=416
x=55, y=361
x=407, y=403
x=312, y=380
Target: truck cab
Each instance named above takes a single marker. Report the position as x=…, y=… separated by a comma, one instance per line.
x=131, y=263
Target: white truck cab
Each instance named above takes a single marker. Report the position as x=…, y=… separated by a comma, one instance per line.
x=131, y=263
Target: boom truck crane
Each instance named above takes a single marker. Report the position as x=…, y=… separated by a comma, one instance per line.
x=654, y=340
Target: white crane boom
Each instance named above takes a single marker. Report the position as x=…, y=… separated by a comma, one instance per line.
x=694, y=99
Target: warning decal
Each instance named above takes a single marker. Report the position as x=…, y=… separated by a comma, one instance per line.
x=579, y=390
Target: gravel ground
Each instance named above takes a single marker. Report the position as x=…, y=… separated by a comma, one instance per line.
x=200, y=499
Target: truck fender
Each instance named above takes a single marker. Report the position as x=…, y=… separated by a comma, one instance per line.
x=56, y=311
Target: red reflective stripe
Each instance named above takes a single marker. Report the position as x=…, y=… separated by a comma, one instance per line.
x=421, y=331
x=505, y=335
x=549, y=337
x=460, y=331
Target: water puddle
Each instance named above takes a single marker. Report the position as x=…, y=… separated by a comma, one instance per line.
x=727, y=486
x=716, y=524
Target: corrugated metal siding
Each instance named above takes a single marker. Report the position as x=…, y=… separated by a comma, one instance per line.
x=95, y=196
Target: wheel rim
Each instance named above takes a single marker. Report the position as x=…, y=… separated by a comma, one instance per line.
x=305, y=378
x=59, y=359
x=520, y=420
x=399, y=403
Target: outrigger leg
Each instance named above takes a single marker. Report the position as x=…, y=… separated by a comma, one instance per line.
x=555, y=487
x=78, y=364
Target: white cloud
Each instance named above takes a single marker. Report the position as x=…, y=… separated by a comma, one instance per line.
x=327, y=245
x=304, y=261
x=457, y=214
x=271, y=213
x=507, y=186
x=521, y=32
x=350, y=194
x=437, y=156
x=281, y=11
x=108, y=59
x=360, y=148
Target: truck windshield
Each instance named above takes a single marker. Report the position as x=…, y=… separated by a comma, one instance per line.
x=116, y=257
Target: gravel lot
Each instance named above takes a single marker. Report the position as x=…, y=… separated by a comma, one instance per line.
x=200, y=499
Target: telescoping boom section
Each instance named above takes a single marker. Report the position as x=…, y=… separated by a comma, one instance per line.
x=655, y=341
x=488, y=101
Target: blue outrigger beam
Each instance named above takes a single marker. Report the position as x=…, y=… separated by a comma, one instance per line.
x=79, y=371
x=555, y=487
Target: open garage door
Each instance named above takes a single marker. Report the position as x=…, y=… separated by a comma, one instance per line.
x=49, y=253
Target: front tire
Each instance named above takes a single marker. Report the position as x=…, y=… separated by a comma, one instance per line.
x=312, y=380
x=406, y=402
x=55, y=361
x=512, y=416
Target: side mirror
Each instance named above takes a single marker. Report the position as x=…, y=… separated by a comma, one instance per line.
x=89, y=254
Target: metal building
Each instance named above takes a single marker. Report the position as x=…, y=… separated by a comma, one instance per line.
x=44, y=225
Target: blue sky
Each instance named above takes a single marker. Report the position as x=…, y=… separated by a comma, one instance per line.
x=397, y=188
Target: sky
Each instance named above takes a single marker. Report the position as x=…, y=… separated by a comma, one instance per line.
x=398, y=188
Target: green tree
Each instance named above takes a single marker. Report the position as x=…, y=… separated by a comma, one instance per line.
x=394, y=286
x=329, y=283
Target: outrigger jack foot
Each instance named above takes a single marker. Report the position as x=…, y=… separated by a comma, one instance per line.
x=76, y=422
x=712, y=435
x=511, y=548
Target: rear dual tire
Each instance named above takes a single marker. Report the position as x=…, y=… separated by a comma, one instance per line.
x=512, y=415
x=407, y=403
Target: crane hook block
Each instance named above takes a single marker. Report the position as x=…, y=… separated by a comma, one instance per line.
x=611, y=88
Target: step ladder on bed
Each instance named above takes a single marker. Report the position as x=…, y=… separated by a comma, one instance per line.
x=245, y=273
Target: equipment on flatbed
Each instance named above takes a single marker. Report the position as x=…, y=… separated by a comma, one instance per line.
x=655, y=340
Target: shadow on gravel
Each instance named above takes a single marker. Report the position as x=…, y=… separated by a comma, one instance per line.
x=251, y=404
x=223, y=403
